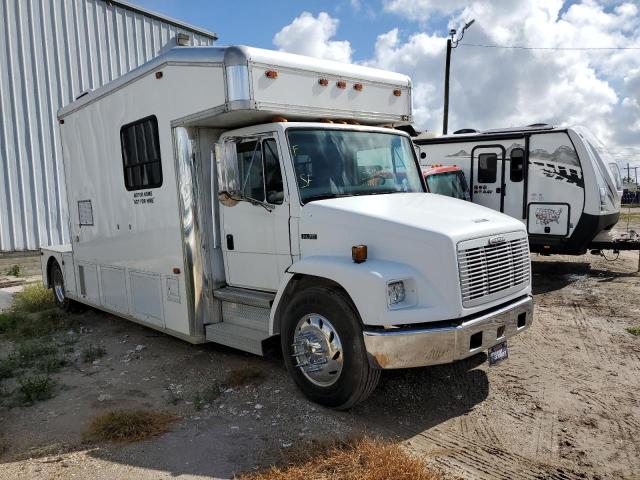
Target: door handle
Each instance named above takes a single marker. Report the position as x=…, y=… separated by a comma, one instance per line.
x=230, y=245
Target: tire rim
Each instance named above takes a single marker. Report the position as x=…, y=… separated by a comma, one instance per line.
x=58, y=286
x=317, y=350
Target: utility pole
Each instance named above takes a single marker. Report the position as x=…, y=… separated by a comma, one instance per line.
x=452, y=43
x=447, y=71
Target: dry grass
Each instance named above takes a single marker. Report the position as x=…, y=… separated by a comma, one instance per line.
x=128, y=425
x=33, y=298
x=634, y=331
x=361, y=459
x=243, y=375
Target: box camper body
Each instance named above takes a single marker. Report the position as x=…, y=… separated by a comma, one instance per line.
x=559, y=182
x=235, y=194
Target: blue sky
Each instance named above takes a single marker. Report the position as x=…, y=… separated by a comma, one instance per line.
x=252, y=22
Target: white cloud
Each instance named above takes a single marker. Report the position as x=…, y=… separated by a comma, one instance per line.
x=421, y=10
x=493, y=88
x=309, y=35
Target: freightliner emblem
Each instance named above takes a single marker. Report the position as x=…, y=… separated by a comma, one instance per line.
x=496, y=240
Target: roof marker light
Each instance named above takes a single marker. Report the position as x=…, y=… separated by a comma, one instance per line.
x=358, y=87
x=397, y=92
x=271, y=74
x=341, y=84
x=323, y=81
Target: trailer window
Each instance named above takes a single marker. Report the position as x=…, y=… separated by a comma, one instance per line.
x=516, y=170
x=141, y=154
x=487, y=167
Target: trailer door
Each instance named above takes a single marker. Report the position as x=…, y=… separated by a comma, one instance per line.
x=487, y=176
x=513, y=189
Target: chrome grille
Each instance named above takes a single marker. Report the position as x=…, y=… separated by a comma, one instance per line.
x=489, y=272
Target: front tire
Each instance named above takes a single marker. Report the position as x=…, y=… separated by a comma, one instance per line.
x=324, y=350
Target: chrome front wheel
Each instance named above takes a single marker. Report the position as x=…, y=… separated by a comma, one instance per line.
x=317, y=350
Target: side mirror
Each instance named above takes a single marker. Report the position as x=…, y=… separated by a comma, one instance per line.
x=228, y=175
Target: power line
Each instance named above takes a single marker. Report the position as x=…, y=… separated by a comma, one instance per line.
x=520, y=47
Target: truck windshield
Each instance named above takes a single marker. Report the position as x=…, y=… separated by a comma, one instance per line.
x=451, y=184
x=338, y=163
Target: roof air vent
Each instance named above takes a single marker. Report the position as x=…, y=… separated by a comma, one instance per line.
x=465, y=130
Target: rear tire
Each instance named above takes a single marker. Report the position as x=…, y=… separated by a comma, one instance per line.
x=321, y=330
x=57, y=285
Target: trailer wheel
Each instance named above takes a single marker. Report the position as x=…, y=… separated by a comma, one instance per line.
x=57, y=285
x=324, y=350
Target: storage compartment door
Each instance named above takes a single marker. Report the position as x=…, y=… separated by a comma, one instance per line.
x=146, y=297
x=114, y=289
x=550, y=219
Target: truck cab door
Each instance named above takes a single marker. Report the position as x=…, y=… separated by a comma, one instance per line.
x=487, y=176
x=255, y=216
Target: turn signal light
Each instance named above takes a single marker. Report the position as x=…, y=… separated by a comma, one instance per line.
x=359, y=253
x=341, y=84
x=358, y=87
x=271, y=74
x=324, y=82
x=397, y=92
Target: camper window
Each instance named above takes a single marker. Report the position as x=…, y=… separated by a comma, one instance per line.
x=517, y=165
x=141, y=154
x=487, y=167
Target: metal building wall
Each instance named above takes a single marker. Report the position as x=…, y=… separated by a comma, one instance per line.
x=50, y=52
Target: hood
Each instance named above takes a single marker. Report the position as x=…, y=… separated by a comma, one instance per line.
x=415, y=232
x=456, y=219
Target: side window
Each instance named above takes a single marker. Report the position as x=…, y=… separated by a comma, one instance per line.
x=251, y=171
x=516, y=171
x=260, y=174
x=272, y=173
x=487, y=168
x=141, y=154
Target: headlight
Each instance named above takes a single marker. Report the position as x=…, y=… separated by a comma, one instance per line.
x=395, y=292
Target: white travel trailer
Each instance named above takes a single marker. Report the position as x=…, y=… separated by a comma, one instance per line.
x=197, y=209
x=559, y=181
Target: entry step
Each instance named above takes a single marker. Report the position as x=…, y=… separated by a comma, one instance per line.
x=236, y=336
x=245, y=296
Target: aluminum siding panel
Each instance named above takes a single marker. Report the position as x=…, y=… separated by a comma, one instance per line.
x=51, y=52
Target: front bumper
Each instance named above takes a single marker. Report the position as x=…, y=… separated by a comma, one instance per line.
x=419, y=347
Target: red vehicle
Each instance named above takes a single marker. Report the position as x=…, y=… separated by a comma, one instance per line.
x=447, y=180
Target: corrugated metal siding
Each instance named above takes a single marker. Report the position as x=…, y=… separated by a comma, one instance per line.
x=50, y=52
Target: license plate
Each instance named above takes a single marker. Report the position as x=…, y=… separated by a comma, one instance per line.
x=498, y=353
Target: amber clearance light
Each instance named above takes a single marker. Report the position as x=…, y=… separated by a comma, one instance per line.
x=271, y=74
x=341, y=84
x=323, y=81
x=358, y=87
x=397, y=92
x=359, y=253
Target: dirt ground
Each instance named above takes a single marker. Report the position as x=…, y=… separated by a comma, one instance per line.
x=565, y=405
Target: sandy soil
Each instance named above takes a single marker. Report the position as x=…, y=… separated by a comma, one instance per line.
x=566, y=404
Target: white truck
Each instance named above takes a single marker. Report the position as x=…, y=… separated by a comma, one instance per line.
x=233, y=194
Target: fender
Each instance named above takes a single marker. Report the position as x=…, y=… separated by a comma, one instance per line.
x=365, y=283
